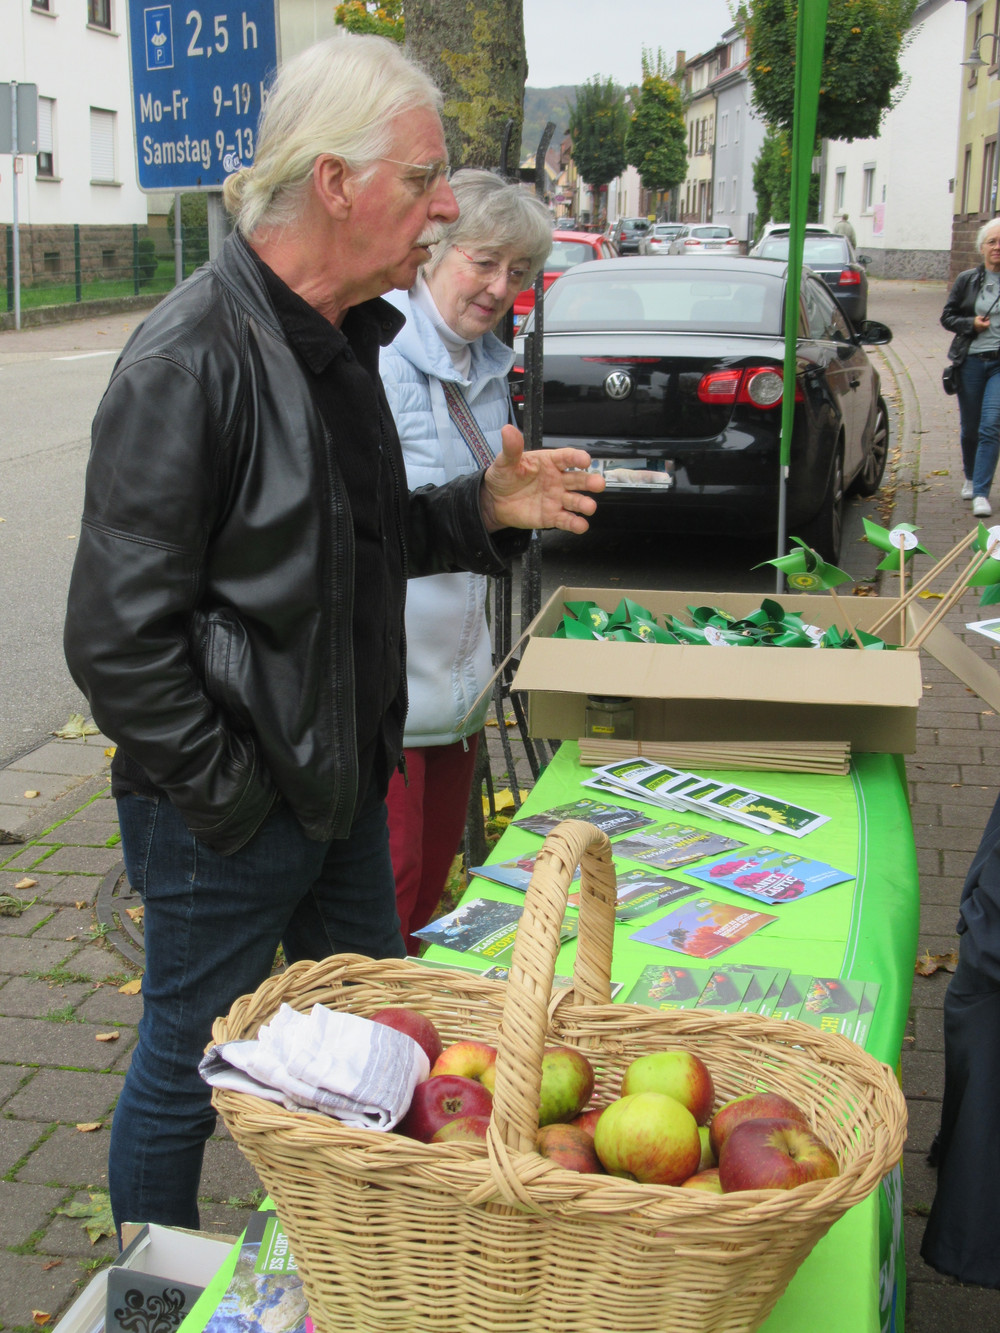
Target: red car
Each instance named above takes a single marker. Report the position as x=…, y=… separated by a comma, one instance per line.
x=569, y=248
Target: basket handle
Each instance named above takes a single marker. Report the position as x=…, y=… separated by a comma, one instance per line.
x=514, y=1123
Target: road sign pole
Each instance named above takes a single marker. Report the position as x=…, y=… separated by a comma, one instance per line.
x=14, y=187
x=178, y=242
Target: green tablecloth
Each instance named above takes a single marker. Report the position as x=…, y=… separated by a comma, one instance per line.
x=866, y=929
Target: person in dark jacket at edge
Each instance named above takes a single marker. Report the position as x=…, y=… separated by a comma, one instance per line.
x=961, y=1234
x=235, y=614
x=972, y=314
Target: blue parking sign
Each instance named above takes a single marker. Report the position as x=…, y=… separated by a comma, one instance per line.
x=200, y=74
x=159, y=38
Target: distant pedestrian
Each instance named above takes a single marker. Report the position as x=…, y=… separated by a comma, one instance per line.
x=972, y=314
x=843, y=228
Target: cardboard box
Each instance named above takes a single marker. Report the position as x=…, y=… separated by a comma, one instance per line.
x=155, y=1258
x=687, y=693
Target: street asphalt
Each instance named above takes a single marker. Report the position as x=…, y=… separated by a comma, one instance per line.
x=67, y=1028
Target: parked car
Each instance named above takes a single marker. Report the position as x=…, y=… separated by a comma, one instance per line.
x=658, y=238
x=627, y=234
x=819, y=228
x=670, y=373
x=569, y=248
x=698, y=238
x=834, y=259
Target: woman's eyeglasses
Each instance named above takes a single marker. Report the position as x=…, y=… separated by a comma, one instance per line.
x=490, y=269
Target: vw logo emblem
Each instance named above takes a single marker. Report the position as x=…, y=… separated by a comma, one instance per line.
x=618, y=384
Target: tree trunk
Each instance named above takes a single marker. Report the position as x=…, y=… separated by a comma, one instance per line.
x=474, y=51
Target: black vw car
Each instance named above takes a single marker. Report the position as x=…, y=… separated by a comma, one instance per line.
x=670, y=373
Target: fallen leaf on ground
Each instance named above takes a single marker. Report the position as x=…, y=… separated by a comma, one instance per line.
x=931, y=596
x=940, y=472
x=88, y=1127
x=928, y=963
x=134, y=913
x=107, y=1036
x=30, y=795
x=26, y=883
x=132, y=987
x=97, y=1217
x=40, y=1317
x=80, y=904
x=109, y=753
x=53, y=1263
x=76, y=728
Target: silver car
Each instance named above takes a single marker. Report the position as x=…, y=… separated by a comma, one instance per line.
x=704, y=238
x=657, y=241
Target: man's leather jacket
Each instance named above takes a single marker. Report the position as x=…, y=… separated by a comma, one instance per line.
x=210, y=609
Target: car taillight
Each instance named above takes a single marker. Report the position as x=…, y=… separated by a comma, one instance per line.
x=691, y=240
x=757, y=386
x=517, y=385
x=849, y=277
x=732, y=240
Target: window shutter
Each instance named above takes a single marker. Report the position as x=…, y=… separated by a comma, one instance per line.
x=102, y=145
x=45, y=124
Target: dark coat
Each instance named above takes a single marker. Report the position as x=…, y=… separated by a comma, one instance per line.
x=210, y=609
x=960, y=310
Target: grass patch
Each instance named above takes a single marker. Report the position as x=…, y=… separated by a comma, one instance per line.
x=58, y=975
x=67, y=1014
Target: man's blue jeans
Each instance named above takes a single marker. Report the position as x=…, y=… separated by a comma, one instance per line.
x=979, y=410
x=212, y=926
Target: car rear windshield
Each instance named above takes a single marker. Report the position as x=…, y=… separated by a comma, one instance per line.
x=710, y=233
x=649, y=301
x=635, y=224
x=567, y=254
x=817, y=252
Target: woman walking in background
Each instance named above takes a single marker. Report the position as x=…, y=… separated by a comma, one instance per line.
x=445, y=376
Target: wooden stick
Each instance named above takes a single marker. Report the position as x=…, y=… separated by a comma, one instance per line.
x=917, y=588
x=902, y=592
x=847, y=619
x=948, y=601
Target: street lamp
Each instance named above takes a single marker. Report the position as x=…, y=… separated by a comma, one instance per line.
x=976, y=62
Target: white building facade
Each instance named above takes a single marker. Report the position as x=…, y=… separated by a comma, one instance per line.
x=739, y=134
x=898, y=189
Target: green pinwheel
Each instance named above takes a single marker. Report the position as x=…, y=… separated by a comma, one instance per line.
x=987, y=569
x=893, y=540
x=805, y=571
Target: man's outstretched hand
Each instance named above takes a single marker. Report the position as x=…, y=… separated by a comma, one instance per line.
x=544, y=488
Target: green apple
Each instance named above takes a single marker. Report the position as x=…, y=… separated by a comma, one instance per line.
x=679, y=1074
x=648, y=1137
x=567, y=1085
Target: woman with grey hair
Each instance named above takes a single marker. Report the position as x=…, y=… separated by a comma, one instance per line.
x=972, y=314
x=445, y=376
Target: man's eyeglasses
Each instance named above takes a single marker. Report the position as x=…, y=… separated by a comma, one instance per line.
x=424, y=174
x=490, y=269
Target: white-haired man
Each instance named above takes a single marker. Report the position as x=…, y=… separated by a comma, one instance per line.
x=235, y=614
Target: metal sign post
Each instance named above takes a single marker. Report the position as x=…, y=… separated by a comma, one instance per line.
x=18, y=134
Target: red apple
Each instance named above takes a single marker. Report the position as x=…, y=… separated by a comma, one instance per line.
x=588, y=1119
x=415, y=1025
x=708, y=1158
x=567, y=1085
x=751, y=1106
x=468, y=1059
x=649, y=1137
x=569, y=1146
x=440, y=1099
x=773, y=1155
x=466, y=1129
x=707, y=1180
x=680, y=1074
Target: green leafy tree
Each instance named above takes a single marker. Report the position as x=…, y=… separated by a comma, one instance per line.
x=861, y=73
x=772, y=181
x=598, y=124
x=656, y=142
x=384, y=18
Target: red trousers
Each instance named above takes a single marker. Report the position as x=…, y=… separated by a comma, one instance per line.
x=426, y=822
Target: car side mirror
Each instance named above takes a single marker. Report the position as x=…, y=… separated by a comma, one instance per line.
x=873, y=333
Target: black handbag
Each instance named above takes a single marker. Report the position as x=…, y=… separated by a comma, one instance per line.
x=949, y=378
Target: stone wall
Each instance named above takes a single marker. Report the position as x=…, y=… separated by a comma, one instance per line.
x=47, y=254
x=907, y=263
x=963, y=243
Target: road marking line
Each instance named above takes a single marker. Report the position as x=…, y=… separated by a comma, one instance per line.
x=84, y=356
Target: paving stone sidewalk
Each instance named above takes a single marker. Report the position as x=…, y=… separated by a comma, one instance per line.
x=60, y=977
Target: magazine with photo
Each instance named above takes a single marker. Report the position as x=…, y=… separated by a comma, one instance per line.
x=762, y=981
x=482, y=927
x=832, y=1003
x=513, y=874
x=793, y=993
x=669, y=846
x=769, y=1003
x=769, y=813
x=503, y=974
x=669, y=987
x=703, y=928
x=641, y=891
x=725, y=990
x=265, y=1289
x=610, y=819
x=770, y=875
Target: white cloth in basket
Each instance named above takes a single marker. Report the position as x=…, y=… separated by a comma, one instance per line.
x=345, y=1066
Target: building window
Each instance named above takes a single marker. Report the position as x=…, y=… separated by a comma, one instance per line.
x=99, y=14
x=45, y=161
x=720, y=195
x=966, y=177
x=43, y=5
x=868, y=190
x=732, y=197
x=989, y=167
x=839, y=183
x=102, y=146
x=724, y=130
x=736, y=125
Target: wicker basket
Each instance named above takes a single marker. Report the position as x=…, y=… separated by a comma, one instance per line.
x=395, y=1236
